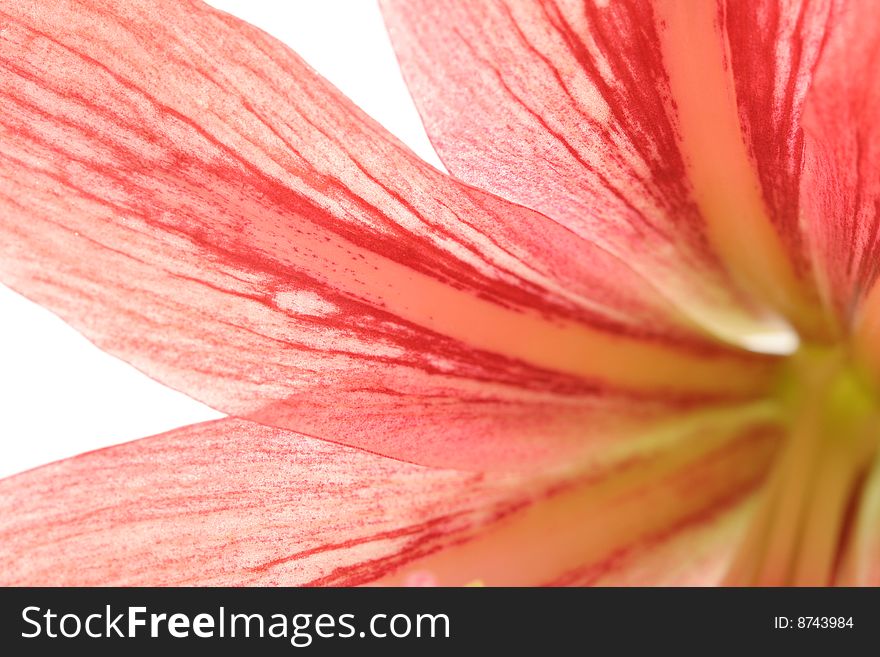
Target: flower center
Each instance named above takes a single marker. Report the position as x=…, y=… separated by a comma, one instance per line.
x=804, y=522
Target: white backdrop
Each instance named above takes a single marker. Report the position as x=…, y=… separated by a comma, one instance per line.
x=60, y=395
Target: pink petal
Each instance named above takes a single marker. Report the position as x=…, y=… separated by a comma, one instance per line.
x=841, y=190
x=774, y=46
x=233, y=503
x=667, y=131
x=698, y=553
x=182, y=189
x=673, y=517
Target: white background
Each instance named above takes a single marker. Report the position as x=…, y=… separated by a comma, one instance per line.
x=60, y=395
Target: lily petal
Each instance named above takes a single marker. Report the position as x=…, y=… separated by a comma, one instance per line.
x=774, y=47
x=668, y=130
x=605, y=528
x=842, y=178
x=185, y=191
x=699, y=553
x=233, y=503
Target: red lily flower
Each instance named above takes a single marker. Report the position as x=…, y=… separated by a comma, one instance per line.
x=544, y=368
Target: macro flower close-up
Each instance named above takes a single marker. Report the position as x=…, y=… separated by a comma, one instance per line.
x=630, y=335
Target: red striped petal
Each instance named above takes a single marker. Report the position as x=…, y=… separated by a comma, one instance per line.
x=698, y=553
x=182, y=189
x=841, y=190
x=774, y=47
x=609, y=529
x=233, y=503
x=667, y=131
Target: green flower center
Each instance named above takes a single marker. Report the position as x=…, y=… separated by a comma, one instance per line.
x=807, y=522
